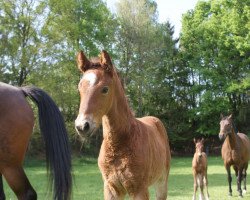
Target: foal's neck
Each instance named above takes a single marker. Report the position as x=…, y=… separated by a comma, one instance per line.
x=119, y=118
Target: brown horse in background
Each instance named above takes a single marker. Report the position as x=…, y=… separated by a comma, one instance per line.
x=135, y=152
x=199, y=166
x=235, y=152
x=16, y=125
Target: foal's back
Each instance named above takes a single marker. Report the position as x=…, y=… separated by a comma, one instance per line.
x=156, y=154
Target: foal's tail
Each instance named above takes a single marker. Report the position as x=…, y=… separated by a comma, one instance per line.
x=56, y=141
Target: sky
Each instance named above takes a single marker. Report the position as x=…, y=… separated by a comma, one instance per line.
x=170, y=10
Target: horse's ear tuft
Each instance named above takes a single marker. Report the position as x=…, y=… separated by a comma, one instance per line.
x=221, y=116
x=202, y=140
x=230, y=116
x=106, y=60
x=82, y=62
x=194, y=140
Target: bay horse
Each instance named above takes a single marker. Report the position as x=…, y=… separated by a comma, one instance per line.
x=235, y=152
x=16, y=125
x=135, y=152
x=199, y=167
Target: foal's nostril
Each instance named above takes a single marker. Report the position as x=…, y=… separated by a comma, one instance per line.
x=79, y=128
x=86, y=127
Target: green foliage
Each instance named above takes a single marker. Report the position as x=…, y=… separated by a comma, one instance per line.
x=215, y=43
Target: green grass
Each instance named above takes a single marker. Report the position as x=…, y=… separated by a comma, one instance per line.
x=88, y=183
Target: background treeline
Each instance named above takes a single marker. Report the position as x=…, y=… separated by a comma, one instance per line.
x=187, y=82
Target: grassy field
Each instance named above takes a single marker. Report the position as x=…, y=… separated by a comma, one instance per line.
x=88, y=183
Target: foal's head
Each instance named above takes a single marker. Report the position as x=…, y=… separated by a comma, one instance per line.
x=226, y=125
x=199, y=146
x=96, y=90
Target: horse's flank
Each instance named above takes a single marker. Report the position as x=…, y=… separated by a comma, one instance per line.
x=236, y=149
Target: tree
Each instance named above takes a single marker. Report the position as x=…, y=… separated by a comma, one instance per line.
x=214, y=42
x=136, y=34
x=20, y=40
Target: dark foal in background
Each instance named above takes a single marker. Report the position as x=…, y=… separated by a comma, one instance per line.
x=235, y=152
x=16, y=125
x=199, y=166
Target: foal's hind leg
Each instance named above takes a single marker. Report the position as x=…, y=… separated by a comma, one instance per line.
x=19, y=183
x=2, y=195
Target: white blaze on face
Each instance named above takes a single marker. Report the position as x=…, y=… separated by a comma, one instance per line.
x=91, y=78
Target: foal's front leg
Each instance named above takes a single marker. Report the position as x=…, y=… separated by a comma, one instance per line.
x=206, y=184
x=141, y=195
x=112, y=193
x=195, y=187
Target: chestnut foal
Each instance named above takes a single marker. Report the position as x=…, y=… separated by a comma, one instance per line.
x=135, y=152
x=199, y=166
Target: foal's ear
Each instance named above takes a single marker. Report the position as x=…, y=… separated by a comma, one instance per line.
x=82, y=62
x=106, y=60
x=194, y=140
x=221, y=116
x=230, y=116
x=202, y=140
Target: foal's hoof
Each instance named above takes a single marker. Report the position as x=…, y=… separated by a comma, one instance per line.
x=230, y=194
x=244, y=191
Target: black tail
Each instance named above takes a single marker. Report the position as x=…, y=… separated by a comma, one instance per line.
x=55, y=136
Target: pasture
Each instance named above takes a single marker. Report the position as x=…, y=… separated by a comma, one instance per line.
x=88, y=182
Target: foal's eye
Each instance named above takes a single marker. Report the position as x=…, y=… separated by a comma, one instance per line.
x=105, y=90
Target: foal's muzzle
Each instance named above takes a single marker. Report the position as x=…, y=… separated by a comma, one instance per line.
x=84, y=126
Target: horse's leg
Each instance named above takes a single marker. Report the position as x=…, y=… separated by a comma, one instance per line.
x=19, y=183
x=161, y=188
x=229, y=178
x=195, y=186
x=206, y=185
x=201, y=177
x=239, y=178
x=111, y=193
x=141, y=195
x=245, y=178
x=2, y=195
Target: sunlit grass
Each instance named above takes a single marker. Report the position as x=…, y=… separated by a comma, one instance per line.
x=88, y=183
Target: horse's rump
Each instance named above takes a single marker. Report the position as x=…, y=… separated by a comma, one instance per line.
x=16, y=115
